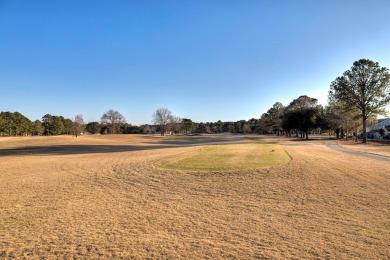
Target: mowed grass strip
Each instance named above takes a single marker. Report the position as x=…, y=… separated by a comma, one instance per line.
x=230, y=157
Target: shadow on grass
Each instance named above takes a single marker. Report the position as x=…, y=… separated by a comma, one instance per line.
x=77, y=149
x=210, y=139
x=162, y=143
x=297, y=139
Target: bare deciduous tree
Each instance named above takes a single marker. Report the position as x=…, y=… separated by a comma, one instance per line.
x=78, y=125
x=162, y=117
x=113, y=120
x=175, y=124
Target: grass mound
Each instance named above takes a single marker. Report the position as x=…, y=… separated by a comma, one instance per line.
x=227, y=158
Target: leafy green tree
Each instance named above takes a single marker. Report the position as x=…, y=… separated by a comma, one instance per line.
x=54, y=125
x=290, y=122
x=201, y=128
x=22, y=124
x=93, y=127
x=273, y=119
x=331, y=121
x=366, y=87
x=347, y=117
x=130, y=129
x=147, y=129
x=187, y=125
x=253, y=125
x=238, y=126
x=301, y=115
x=231, y=128
x=7, y=123
x=48, y=124
x=14, y=123
x=382, y=131
x=219, y=126
x=262, y=124
x=67, y=125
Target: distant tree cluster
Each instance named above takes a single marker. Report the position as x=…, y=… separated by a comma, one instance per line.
x=13, y=124
x=355, y=99
x=16, y=124
x=237, y=127
x=301, y=117
x=165, y=122
x=56, y=125
x=112, y=122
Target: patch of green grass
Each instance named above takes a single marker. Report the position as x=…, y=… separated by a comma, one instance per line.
x=229, y=157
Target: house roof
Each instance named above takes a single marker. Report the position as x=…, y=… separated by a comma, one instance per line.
x=382, y=123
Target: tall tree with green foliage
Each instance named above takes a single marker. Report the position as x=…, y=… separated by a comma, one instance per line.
x=22, y=124
x=7, y=123
x=68, y=126
x=262, y=124
x=274, y=118
x=219, y=126
x=301, y=114
x=366, y=87
x=187, y=125
x=347, y=117
x=93, y=127
x=56, y=125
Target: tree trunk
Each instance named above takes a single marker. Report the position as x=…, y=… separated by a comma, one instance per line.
x=307, y=135
x=346, y=133
x=356, y=135
x=364, y=129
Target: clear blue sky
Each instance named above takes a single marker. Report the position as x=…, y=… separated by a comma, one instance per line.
x=205, y=60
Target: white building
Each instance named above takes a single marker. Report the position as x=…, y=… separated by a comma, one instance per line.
x=373, y=133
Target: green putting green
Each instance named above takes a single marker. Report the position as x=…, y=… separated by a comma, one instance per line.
x=230, y=157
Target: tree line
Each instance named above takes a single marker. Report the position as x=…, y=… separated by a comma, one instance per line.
x=278, y=119
x=113, y=122
x=354, y=101
x=16, y=124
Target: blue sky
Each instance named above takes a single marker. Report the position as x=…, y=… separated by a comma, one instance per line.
x=204, y=60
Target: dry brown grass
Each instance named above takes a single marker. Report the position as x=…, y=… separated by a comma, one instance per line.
x=101, y=196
